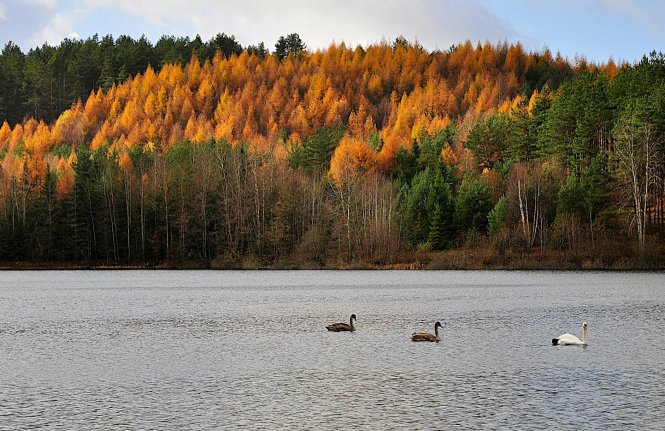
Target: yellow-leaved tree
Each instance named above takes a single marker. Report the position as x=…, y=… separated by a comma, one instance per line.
x=352, y=158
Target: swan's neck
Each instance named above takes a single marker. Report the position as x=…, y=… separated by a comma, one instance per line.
x=351, y=322
x=436, y=332
x=585, y=339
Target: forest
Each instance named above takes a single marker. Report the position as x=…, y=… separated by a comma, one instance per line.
x=185, y=153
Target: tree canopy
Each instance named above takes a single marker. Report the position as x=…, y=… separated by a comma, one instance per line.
x=115, y=150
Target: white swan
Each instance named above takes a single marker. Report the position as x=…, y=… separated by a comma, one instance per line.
x=571, y=340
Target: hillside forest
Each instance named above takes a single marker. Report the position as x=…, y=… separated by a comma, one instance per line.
x=188, y=153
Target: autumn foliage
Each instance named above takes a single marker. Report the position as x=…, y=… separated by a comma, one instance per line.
x=393, y=91
x=367, y=151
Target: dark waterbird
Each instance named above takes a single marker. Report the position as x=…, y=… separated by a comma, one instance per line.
x=426, y=336
x=340, y=327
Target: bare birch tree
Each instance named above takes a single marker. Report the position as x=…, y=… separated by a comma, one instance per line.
x=637, y=159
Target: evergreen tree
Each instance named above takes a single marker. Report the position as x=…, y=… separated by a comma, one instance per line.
x=569, y=201
x=427, y=148
x=489, y=139
x=442, y=231
x=87, y=203
x=428, y=190
x=259, y=50
x=406, y=164
x=12, y=98
x=596, y=183
x=43, y=219
x=225, y=44
x=497, y=218
x=578, y=124
x=472, y=205
x=289, y=45
x=522, y=136
x=315, y=152
x=435, y=238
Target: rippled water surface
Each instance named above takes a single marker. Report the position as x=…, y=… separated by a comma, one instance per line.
x=249, y=350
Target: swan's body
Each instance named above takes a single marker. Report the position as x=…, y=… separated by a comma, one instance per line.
x=426, y=336
x=340, y=327
x=571, y=340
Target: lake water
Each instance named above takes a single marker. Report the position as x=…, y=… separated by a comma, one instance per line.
x=249, y=350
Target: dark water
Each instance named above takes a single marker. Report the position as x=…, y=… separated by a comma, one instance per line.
x=249, y=350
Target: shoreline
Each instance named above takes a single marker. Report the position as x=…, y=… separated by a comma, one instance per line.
x=458, y=259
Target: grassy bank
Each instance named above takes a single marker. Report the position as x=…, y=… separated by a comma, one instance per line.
x=486, y=258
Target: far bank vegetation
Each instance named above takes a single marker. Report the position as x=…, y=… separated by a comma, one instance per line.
x=210, y=154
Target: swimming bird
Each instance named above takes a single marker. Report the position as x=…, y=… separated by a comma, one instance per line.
x=571, y=340
x=426, y=336
x=340, y=327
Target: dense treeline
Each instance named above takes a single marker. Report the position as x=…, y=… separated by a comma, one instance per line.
x=315, y=158
x=49, y=79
